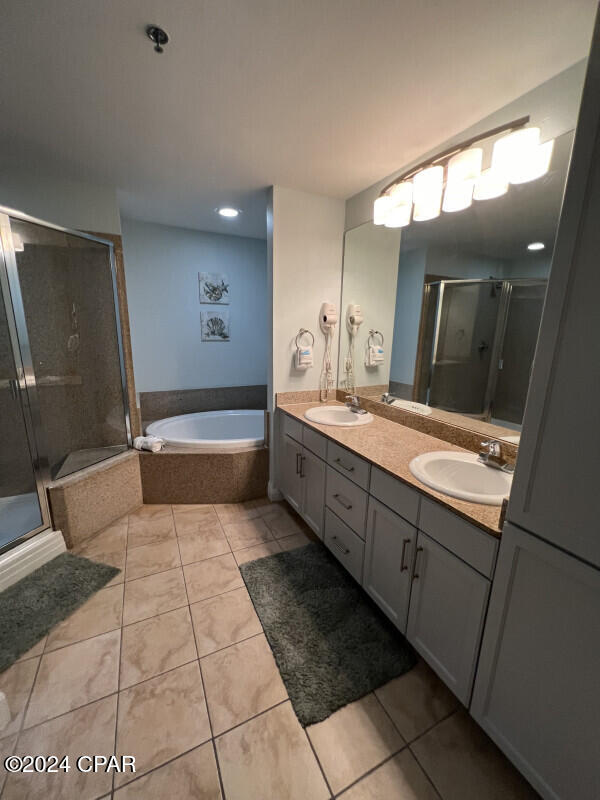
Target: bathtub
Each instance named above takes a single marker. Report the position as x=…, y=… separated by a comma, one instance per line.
x=212, y=430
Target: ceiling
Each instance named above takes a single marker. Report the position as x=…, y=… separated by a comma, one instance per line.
x=326, y=96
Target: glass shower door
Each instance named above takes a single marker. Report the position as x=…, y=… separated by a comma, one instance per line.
x=20, y=508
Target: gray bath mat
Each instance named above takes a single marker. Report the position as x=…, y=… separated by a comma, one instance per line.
x=36, y=603
x=331, y=643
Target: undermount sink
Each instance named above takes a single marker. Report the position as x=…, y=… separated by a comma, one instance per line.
x=340, y=416
x=462, y=475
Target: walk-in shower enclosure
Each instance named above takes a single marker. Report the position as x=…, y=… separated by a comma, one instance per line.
x=476, y=346
x=63, y=398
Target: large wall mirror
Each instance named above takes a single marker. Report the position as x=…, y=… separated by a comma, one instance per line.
x=451, y=307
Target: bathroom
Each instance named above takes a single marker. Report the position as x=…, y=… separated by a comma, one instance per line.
x=300, y=362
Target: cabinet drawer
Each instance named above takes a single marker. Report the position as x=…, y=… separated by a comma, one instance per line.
x=395, y=495
x=348, y=464
x=344, y=544
x=348, y=501
x=316, y=443
x=292, y=427
x=468, y=542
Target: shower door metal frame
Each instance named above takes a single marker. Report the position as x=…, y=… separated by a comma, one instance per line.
x=22, y=350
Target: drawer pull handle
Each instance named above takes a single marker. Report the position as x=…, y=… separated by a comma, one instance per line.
x=415, y=573
x=338, y=497
x=340, y=547
x=403, y=566
x=298, y=463
x=342, y=465
x=302, y=460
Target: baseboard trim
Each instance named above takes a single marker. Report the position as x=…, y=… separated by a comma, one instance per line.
x=27, y=557
x=274, y=494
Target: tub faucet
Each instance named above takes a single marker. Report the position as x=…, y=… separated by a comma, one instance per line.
x=491, y=456
x=353, y=403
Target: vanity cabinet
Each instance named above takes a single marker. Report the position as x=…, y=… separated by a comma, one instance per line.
x=303, y=481
x=389, y=555
x=448, y=602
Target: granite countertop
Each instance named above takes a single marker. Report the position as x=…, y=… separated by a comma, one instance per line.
x=392, y=447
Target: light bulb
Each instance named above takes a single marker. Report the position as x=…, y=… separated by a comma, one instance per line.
x=227, y=211
x=513, y=153
x=381, y=207
x=398, y=217
x=398, y=214
x=465, y=166
x=536, y=246
x=458, y=195
x=427, y=193
x=536, y=165
x=490, y=184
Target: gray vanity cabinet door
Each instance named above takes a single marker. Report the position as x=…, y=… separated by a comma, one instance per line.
x=291, y=454
x=312, y=473
x=448, y=601
x=537, y=692
x=390, y=546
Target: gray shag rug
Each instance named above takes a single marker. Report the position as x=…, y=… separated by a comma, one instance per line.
x=330, y=641
x=39, y=601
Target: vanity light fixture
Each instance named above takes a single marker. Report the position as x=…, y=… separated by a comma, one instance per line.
x=536, y=246
x=456, y=175
x=228, y=212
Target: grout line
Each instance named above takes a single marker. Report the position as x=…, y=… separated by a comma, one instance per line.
x=318, y=760
x=160, y=766
x=424, y=771
x=233, y=644
x=431, y=727
x=370, y=771
x=255, y=716
x=389, y=716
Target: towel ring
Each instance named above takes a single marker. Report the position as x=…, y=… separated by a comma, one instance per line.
x=373, y=333
x=301, y=332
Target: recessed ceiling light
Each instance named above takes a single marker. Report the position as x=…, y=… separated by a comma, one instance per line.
x=227, y=211
x=536, y=246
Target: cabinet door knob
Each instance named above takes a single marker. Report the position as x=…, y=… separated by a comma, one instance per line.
x=403, y=566
x=415, y=573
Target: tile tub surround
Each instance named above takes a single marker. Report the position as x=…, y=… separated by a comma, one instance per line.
x=191, y=690
x=444, y=429
x=392, y=447
x=181, y=476
x=87, y=501
x=172, y=402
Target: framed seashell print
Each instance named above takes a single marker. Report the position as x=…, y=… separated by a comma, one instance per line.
x=214, y=288
x=214, y=326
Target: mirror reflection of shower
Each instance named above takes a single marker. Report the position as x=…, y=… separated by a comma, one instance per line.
x=476, y=345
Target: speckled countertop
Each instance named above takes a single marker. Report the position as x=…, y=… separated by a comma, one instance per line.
x=392, y=447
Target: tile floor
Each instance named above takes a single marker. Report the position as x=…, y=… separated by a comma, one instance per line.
x=169, y=663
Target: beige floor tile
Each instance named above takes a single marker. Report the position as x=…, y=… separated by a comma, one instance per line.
x=240, y=682
x=294, y=541
x=206, y=542
x=189, y=519
x=257, y=551
x=16, y=683
x=103, y=612
x=417, y=700
x=149, y=511
x=74, y=676
x=211, y=577
x=153, y=595
x=162, y=718
x=224, y=620
x=246, y=533
x=151, y=558
x=464, y=764
x=282, y=521
x=112, y=539
x=151, y=531
x=269, y=758
x=88, y=730
x=193, y=776
x=36, y=650
x=235, y=512
x=400, y=778
x=156, y=645
x=352, y=741
x=7, y=748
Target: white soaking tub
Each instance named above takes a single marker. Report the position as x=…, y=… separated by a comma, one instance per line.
x=212, y=430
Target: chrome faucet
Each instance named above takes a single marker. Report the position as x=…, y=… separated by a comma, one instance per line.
x=353, y=403
x=491, y=456
x=388, y=398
